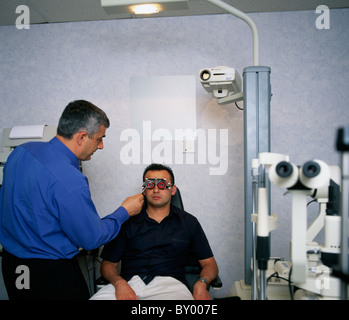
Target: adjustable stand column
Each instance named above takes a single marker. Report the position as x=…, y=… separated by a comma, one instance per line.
x=343, y=146
x=257, y=94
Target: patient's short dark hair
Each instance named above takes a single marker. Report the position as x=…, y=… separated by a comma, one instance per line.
x=158, y=167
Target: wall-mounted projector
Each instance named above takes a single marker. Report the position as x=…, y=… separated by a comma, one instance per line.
x=220, y=82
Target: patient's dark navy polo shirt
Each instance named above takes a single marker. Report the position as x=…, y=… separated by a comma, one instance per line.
x=148, y=248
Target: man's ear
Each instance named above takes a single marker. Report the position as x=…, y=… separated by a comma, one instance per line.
x=81, y=137
x=173, y=190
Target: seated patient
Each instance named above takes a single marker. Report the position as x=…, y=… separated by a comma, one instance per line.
x=154, y=247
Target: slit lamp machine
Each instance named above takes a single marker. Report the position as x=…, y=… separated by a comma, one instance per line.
x=318, y=271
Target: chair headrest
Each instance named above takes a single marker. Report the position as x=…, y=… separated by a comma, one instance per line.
x=176, y=200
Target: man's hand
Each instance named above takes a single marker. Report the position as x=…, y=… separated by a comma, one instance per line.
x=123, y=291
x=209, y=272
x=200, y=291
x=133, y=204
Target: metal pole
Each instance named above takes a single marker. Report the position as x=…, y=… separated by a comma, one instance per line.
x=343, y=146
x=257, y=94
x=255, y=174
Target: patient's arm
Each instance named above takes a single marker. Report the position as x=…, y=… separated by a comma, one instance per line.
x=122, y=289
x=209, y=272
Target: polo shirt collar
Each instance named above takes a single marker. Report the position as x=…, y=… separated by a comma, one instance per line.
x=144, y=215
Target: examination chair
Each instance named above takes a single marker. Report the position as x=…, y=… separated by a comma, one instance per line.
x=192, y=269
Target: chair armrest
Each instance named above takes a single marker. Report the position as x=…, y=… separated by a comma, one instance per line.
x=216, y=284
x=101, y=282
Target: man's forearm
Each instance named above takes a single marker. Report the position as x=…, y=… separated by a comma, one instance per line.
x=109, y=272
x=209, y=269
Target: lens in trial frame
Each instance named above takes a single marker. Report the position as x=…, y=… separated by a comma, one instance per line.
x=149, y=184
x=161, y=185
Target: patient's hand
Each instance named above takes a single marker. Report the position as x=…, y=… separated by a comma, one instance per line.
x=200, y=292
x=123, y=291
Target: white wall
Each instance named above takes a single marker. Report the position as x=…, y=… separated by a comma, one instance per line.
x=47, y=66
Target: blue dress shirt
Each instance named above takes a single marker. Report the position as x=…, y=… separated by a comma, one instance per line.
x=46, y=210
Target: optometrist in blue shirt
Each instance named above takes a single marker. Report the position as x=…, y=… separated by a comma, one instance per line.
x=46, y=210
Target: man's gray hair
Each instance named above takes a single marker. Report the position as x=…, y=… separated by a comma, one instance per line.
x=81, y=115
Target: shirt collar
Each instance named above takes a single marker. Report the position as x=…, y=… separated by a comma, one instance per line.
x=143, y=214
x=62, y=148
